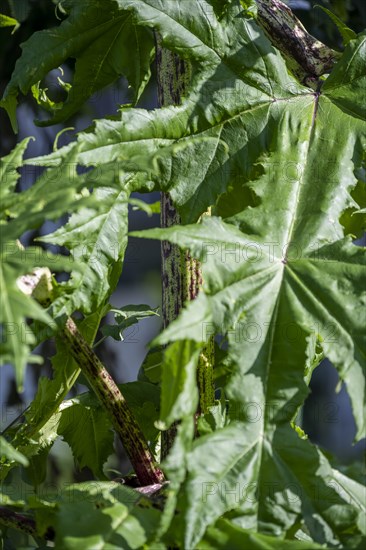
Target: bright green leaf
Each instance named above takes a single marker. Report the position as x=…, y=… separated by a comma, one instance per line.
x=101, y=515
x=6, y=21
x=150, y=370
x=227, y=535
x=7, y=451
x=179, y=395
x=125, y=317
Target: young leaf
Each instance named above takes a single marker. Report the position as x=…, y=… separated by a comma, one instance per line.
x=125, y=317
x=6, y=21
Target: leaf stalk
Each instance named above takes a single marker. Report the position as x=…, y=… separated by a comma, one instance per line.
x=115, y=404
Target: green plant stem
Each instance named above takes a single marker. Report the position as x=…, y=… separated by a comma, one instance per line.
x=192, y=282
x=181, y=274
x=307, y=57
x=20, y=522
x=34, y=423
x=172, y=78
x=112, y=399
x=205, y=377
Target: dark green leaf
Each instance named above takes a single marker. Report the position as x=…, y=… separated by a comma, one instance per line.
x=104, y=43
x=227, y=535
x=179, y=395
x=346, y=33
x=125, y=317
x=87, y=430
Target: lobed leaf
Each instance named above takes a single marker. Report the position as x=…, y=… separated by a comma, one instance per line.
x=104, y=43
x=125, y=317
x=227, y=535
x=86, y=428
x=103, y=515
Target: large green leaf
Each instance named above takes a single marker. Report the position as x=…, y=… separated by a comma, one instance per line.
x=197, y=145
x=251, y=286
x=278, y=162
x=179, y=395
x=104, y=43
x=271, y=483
x=283, y=201
x=87, y=429
x=279, y=265
x=101, y=515
x=226, y=535
x=269, y=308
x=242, y=102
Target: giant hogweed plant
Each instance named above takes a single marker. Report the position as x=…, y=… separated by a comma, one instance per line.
x=258, y=149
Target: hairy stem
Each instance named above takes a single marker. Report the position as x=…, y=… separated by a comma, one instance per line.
x=181, y=274
x=112, y=399
x=20, y=522
x=205, y=378
x=173, y=77
x=35, y=417
x=109, y=395
x=307, y=57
